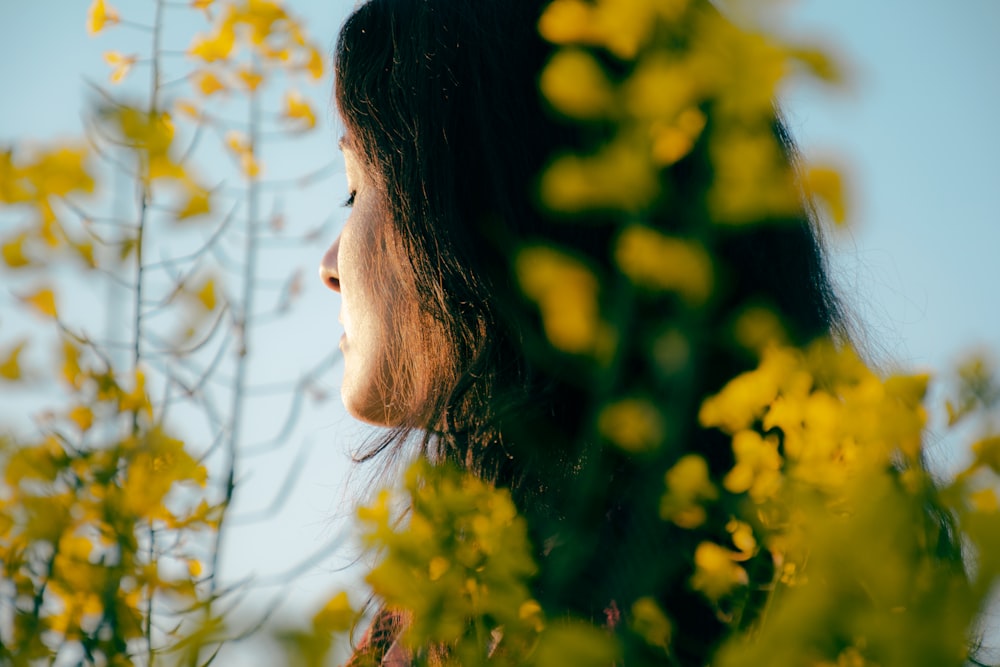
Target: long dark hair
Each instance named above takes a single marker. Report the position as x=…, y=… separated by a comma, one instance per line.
x=440, y=99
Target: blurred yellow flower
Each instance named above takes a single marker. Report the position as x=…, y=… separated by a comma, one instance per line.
x=633, y=424
x=314, y=63
x=661, y=86
x=10, y=365
x=566, y=293
x=12, y=251
x=649, y=622
x=99, y=16
x=758, y=466
x=752, y=179
x=619, y=176
x=208, y=83
x=121, y=64
x=674, y=140
x=336, y=615
x=297, y=108
x=251, y=77
x=715, y=572
x=219, y=44
x=575, y=84
x=620, y=26
x=240, y=145
x=43, y=301
x=688, y=489
x=203, y=5
x=656, y=261
x=826, y=184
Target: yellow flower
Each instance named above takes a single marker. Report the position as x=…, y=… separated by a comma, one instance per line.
x=243, y=149
x=12, y=252
x=752, y=180
x=673, y=141
x=99, y=16
x=121, y=64
x=758, y=466
x=619, y=176
x=566, y=293
x=336, y=615
x=218, y=45
x=649, y=622
x=688, y=488
x=661, y=87
x=741, y=68
x=251, y=78
x=634, y=424
x=715, y=572
x=743, y=539
x=298, y=109
x=197, y=203
x=71, y=371
x=620, y=27
x=10, y=367
x=656, y=261
x=203, y=5
x=567, y=22
x=575, y=84
x=207, y=83
x=43, y=301
x=314, y=64
x=206, y=295
x=261, y=17
x=157, y=464
x=59, y=172
x=82, y=416
x=825, y=184
x=987, y=452
x=985, y=501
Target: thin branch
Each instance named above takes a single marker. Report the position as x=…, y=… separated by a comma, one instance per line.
x=324, y=551
x=167, y=350
x=209, y=242
x=294, y=410
x=282, y=495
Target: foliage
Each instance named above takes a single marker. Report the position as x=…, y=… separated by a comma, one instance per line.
x=114, y=505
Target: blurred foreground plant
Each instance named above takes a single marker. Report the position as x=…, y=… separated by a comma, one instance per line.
x=115, y=502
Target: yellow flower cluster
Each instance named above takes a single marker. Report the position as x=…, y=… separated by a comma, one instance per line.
x=829, y=454
x=567, y=294
x=274, y=40
x=40, y=182
x=71, y=518
x=653, y=260
x=459, y=565
x=681, y=58
x=830, y=413
x=151, y=136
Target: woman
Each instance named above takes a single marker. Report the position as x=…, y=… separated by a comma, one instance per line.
x=445, y=136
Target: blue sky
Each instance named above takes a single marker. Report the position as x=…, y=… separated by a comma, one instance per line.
x=915, y=127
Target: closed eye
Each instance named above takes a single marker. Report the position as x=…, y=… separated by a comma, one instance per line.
x=349, y=202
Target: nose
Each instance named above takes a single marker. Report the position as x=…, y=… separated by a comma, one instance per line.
x=328, y=271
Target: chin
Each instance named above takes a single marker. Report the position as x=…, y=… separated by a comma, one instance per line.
x=369, y=409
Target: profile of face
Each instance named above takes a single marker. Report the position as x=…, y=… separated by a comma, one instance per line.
x=351, y=267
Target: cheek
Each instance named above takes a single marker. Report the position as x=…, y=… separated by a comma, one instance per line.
x=372, y=389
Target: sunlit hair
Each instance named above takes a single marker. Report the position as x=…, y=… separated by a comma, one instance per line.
x=440, y=101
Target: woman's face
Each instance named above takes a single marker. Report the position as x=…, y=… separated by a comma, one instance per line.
x=351, y=267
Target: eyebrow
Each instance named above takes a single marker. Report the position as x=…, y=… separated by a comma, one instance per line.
x=344, y=142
